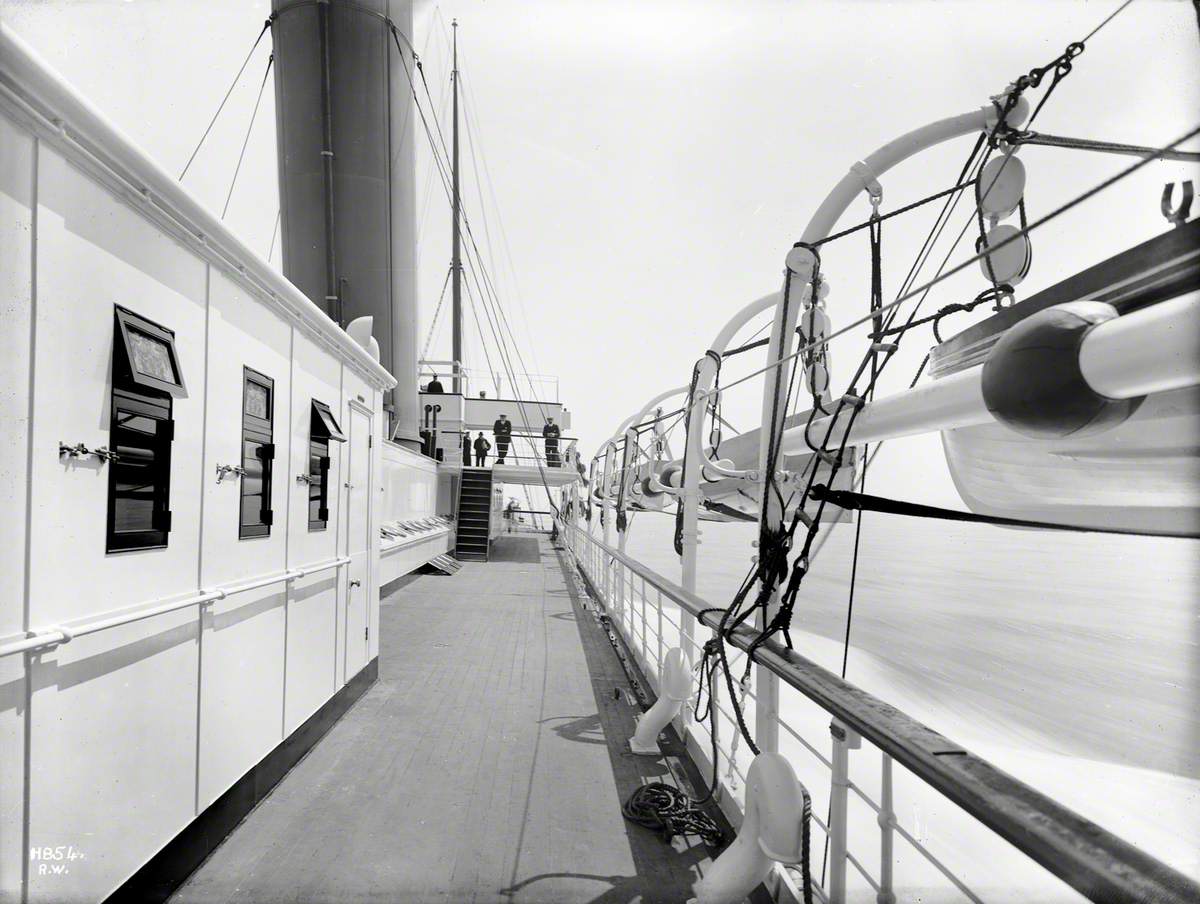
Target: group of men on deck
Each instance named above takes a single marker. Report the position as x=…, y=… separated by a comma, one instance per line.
x=502, y=431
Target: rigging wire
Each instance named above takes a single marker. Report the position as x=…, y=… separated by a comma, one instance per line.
x=476, y=268
x=1120, y=9
x=1026, y=136
x=472, y=242
x=274, y=235
x=958, y=268
x=246, y=140
x=469, y=111
x=436, y=312
x=773, y=546
x=221, y=106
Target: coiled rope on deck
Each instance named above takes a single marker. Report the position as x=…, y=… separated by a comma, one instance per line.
x=668, y=811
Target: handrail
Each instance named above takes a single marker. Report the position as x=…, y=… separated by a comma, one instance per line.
x=58, y=635
x=1087, y=857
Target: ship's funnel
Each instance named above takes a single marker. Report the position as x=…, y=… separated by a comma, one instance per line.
x=345, y=125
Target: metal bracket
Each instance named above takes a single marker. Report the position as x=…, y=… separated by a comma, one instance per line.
x=870, y=183
x=1177, y=215
x=224, y=471
x=79, y=450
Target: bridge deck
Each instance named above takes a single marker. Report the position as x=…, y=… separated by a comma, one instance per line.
x=487, y=764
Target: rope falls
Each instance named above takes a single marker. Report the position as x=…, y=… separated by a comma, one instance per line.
x=792, y=501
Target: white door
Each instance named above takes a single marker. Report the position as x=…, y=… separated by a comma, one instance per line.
x=358, y=540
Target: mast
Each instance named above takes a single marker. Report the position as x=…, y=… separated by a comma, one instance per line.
x=456, y=234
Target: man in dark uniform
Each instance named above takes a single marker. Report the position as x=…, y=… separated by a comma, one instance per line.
x=502, y=430
x=466, y=447
x=551, y=432
x=481, y=450
x=435, y=385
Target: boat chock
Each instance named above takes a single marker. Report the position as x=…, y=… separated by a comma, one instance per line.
x=675, y=689
x=775, y=829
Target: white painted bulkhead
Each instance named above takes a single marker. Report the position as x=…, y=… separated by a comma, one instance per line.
x=111, y=743
x=410, y=493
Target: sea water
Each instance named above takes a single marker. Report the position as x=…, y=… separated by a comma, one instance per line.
x=1071, y=661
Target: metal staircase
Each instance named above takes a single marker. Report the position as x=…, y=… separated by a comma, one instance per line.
x=474, y=515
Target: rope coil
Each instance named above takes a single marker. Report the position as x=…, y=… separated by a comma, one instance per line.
x=668, y=811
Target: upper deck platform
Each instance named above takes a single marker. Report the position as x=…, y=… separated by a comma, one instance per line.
x=488, y=763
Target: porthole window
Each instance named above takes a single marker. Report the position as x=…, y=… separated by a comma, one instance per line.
x=323, y=429
x=146, y=377
x=258, y=454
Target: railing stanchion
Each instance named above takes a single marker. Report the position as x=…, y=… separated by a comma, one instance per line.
x=887, y=822
x=660, y=633
x=645, y=633
x=844, y=740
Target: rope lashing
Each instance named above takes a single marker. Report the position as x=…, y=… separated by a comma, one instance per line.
x=668, y=811
x=691, y=401
x=805, y=846
x=731, y=767
x=764, y=571
x=863, y=502
x=994, y=294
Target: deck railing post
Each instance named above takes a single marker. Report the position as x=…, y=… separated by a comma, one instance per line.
x=844, y=740
x=645, y=638
x=887, y=824
x=660, y=634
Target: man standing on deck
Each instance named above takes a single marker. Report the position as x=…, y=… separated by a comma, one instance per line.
x=435, y=385
x=550, y=433
x=466, y=447
x=481, y=450
x=502, y=430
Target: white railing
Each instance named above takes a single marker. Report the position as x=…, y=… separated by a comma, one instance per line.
x=648, y=612
x=46, y=638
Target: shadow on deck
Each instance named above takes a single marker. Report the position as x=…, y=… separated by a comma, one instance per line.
x=516, y=549
x=488, y=763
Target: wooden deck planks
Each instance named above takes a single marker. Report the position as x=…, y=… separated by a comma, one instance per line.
x=488, y=764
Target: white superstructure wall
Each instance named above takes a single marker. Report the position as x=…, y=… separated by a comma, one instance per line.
x=113, y=742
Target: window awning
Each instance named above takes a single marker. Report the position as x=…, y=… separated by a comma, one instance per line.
x=324, y=425
x=145, y=355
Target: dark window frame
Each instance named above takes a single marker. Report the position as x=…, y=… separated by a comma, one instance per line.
x=135, y=395
x=129, y=321
x=323, y=429
x=326, y=424
x=318, y=475
x=260, y=433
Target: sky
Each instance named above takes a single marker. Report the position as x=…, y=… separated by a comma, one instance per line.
x=642, y=168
